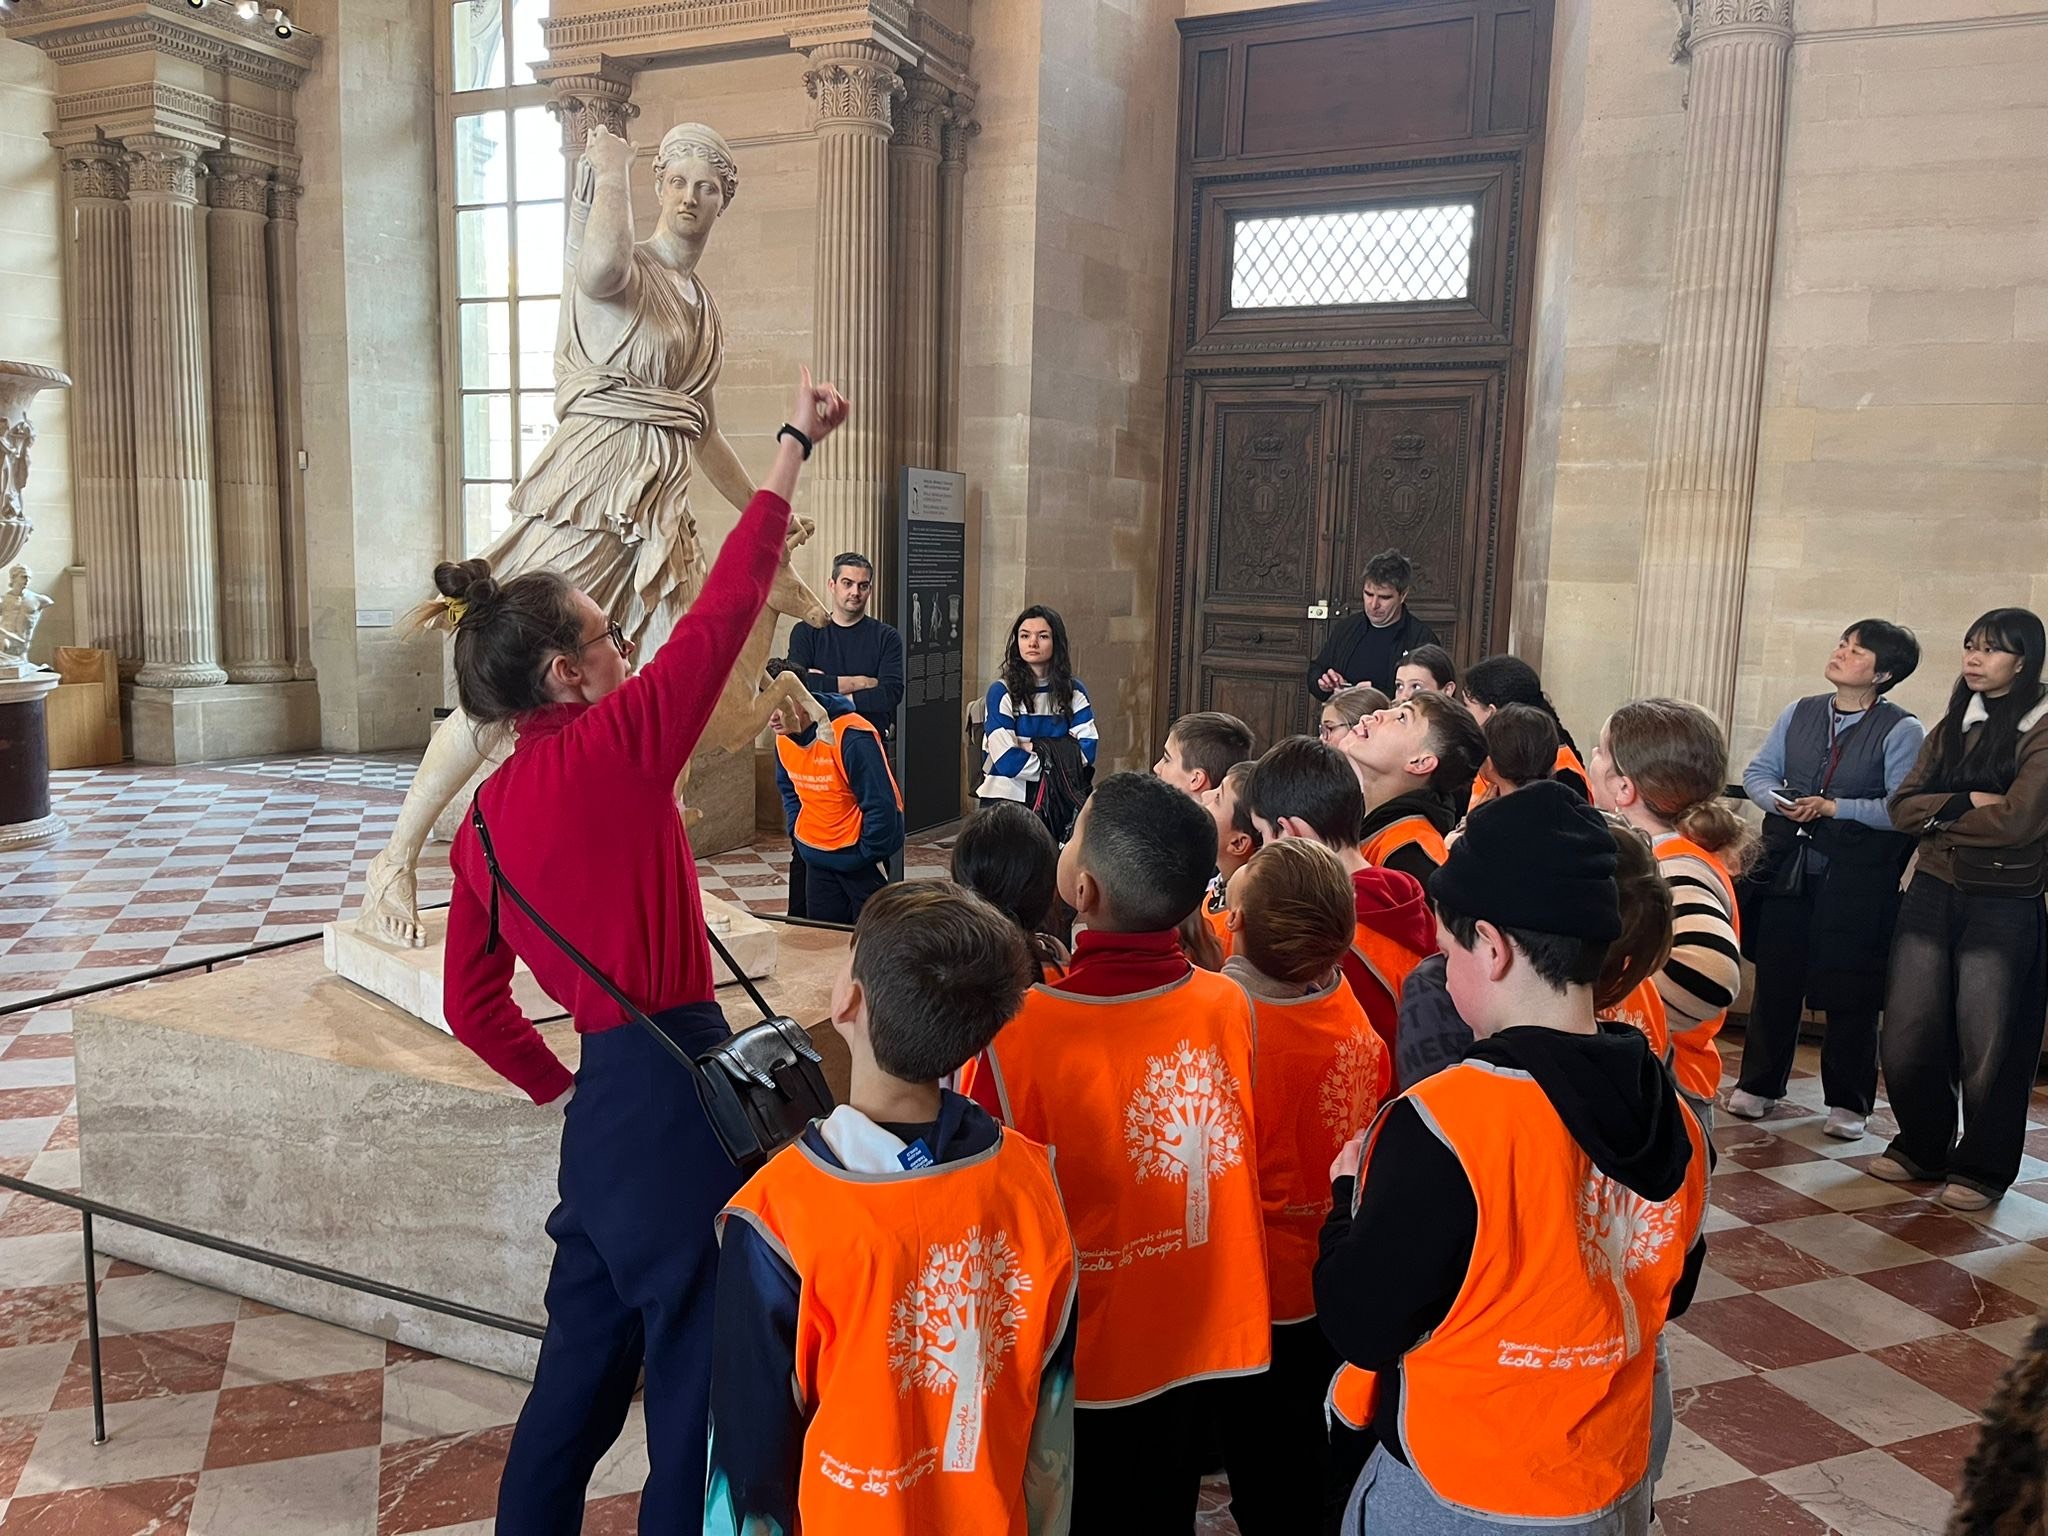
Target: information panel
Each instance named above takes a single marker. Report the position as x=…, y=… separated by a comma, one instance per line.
x=932, y=720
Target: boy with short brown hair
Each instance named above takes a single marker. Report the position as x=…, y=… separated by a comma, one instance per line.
x=1200, y=749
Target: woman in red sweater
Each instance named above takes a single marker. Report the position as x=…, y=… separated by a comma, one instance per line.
x=584, y=822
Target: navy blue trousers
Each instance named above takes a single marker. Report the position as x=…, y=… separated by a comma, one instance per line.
x=633, y=1282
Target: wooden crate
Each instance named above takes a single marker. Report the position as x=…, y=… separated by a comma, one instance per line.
x=84, y=710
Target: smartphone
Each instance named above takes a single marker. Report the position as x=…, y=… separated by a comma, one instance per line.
x=1784, y=799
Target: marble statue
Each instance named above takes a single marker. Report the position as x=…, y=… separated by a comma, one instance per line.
x=19, y=611
x=607, y=500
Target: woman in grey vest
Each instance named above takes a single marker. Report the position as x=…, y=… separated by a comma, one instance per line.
x=1969, y=978
x=1819, y=905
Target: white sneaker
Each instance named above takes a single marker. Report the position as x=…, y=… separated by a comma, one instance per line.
x=1749, y=1106
x=1843, y=1125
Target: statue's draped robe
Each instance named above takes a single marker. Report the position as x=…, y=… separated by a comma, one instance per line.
x=606, y=502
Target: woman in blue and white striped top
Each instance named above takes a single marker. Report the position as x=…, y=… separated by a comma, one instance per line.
x=1038, y=714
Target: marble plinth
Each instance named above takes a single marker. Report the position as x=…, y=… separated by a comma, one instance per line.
x=411, y=977
x=276, y=1104
x=229, y=720
x=25, y=817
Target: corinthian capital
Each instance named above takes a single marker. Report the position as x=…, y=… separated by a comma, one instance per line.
x=582, y=100
x=921, y=116
x=238, y=185
x=97, y=170
x=1700, y=21
x=163, y=166
x=285, y=193
x=854, y=85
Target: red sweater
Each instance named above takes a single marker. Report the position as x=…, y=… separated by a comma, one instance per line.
x=584, y=820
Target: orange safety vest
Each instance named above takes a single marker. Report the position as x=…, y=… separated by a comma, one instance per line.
x=929, y=1305
x=1375, y=960
x=828, y=814
x=1531, y=1401
x=1219, y=924
x=1694, y=1057
x=1148, y=1100
x=1321, y=1073
x=1643, y=1009
x=1395, y=836
x=1567, y=760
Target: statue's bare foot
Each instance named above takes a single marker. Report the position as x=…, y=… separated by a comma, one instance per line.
x=391, y=909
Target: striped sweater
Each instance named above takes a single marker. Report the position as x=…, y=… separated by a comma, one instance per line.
x=1008, y=764
x=1700, y=980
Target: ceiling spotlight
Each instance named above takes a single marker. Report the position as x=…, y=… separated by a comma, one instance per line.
x=249, y=10
x=280, y=22
x=197, y=5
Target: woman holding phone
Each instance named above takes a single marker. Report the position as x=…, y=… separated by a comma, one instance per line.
x=1820, y=902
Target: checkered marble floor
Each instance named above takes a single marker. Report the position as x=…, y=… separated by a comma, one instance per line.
x=1829, y=1375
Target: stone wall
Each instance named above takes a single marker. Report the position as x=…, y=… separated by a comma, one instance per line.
x=370, y=329
x=1905, y=399
x=32, y=314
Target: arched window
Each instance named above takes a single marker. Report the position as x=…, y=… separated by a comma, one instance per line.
x=503, y=184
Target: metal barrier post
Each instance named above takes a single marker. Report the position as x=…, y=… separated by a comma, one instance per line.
x=92, y=1334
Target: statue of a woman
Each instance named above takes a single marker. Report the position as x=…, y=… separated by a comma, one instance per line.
x=606, y=501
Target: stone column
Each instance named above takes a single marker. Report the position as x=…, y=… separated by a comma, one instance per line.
x=252, y=585
x=854, y=85
x=914, y=270
x=173, y=459
x=281, y=236
x=1710, y=385
x=103, y=422
x=956, y=129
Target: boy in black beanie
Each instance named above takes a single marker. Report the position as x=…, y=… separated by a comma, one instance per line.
x=1526, y=1220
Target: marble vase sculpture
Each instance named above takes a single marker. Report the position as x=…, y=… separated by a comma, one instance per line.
x=607, y=500
x=25, y=817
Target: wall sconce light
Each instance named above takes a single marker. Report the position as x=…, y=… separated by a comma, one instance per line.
x=280, y=23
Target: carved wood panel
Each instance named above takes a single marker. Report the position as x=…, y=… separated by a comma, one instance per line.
x=1272, y=703
x=1263, y=526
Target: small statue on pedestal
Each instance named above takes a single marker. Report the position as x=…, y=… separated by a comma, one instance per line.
x=20, y=609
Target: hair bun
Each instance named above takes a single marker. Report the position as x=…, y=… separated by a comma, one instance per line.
x=465, y=581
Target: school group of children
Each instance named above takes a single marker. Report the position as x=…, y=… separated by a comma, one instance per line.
x=1094, y=1222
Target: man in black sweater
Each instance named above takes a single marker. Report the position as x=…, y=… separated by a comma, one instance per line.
x=1366, y=646
x=857, y=655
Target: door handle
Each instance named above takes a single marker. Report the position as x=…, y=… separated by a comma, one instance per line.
x=1319, y=609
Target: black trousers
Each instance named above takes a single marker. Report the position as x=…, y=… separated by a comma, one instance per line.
x=1138, y=1469
x=1848, y=1055
x=799, y=884
x=837, y=895
x=631, y=1288
x=1963, y=1018
x=1270, y=1430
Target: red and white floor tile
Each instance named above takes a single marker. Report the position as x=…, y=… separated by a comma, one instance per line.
x=1829, y=1375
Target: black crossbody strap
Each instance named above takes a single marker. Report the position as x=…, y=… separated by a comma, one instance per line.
x=633, y=1010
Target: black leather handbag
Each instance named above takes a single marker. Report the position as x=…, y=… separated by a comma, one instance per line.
x=2020, y=873
x=759, y=1089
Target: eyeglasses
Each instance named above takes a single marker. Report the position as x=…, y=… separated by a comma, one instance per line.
x=613, y=633
x=1328, y=728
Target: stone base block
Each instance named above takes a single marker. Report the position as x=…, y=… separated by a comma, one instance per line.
x=199, y=725
x=277, y=1105
x=411, y=978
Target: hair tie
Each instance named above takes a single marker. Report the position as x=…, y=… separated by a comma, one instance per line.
x=455, y=608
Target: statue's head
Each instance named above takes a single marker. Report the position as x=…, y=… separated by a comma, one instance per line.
x=17, y=579
x=695, y=178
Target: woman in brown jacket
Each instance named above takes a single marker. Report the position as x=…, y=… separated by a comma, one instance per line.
x=1969, y=968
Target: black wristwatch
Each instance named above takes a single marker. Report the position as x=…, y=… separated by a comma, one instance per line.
x=802, y=441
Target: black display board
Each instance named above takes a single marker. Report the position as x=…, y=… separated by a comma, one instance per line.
x=931, y=532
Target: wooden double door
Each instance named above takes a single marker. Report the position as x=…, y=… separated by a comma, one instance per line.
x=1299, y=486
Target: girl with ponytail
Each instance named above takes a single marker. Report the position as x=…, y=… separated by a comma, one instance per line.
x=1662, y=764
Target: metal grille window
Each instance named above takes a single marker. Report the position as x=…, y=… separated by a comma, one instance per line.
x=505, y=276
x=1353, y=256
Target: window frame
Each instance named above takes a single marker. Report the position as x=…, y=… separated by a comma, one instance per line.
x=452, y=105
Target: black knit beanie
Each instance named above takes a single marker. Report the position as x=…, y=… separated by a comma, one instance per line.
x=1540, y=859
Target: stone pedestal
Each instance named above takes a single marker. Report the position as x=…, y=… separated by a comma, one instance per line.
x=280, y=1106
x=411, y=978
x=25, y=818
x=197, y=725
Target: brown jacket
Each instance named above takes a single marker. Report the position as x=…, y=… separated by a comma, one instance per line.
x=1942, y=824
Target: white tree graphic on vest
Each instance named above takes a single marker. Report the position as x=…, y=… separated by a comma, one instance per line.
x=1345, y=1087
x=1184, y=1124
x=1622, y=1234
x=953, y=1326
